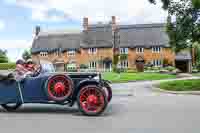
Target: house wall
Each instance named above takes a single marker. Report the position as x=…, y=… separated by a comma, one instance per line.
x=148, y=56
x=101, y=54
x=83, y=56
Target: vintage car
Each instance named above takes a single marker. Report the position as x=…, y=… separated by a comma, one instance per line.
x=88, y=90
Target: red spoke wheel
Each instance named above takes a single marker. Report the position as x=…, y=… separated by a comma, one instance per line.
x=92, y=100
x=59, y=87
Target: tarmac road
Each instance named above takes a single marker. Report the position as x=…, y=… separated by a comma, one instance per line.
x=143, y=112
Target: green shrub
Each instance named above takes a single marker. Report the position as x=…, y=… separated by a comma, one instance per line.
x=6, y=66
x=195, y=70
x=83, y=66
x=170, y=68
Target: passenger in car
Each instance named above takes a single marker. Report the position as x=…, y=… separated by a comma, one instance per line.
x=20, y=70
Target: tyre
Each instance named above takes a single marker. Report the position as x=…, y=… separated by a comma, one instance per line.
x=91, y=100
x=11, y=107
x=108, y=91
x=59, y=88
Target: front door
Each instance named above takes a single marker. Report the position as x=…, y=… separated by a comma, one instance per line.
x=140, y=66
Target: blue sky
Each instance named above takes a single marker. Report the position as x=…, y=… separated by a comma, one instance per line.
x=18, y=18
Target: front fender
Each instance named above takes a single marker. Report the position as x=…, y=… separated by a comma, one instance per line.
x=81, y=84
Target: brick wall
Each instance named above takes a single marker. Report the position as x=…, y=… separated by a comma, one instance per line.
x=83, y=57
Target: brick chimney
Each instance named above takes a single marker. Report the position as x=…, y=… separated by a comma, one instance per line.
x=113, y=22
x=37, y=30
x=85, y=24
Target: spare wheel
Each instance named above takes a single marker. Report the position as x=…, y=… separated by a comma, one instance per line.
x=59, y=87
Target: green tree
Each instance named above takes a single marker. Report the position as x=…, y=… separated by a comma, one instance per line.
x=186, y=28
x=26, y=55
x=3, y=56
x=166, y=3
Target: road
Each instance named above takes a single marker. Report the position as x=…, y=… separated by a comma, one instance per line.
x=143, y=112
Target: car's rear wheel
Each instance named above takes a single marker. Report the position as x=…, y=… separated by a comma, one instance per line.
x=91, y=100
x=11, y=106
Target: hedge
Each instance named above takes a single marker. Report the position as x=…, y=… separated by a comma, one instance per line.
x=6, y=66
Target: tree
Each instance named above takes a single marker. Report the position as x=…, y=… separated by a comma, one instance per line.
x=166, y=3
x=26, y=55
x=186, y=28
x=3, y=56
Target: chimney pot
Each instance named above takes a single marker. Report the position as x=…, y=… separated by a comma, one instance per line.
x=85, y=23
x=37, y=30
x=114, y=26
x=113, y=20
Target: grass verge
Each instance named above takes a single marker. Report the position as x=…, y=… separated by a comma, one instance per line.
x=125, y=77
x=181, y=85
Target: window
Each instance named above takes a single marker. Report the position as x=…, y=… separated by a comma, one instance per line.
x=139, y=50
x=57, y=53
x=71, y=52
x=123, y=50
x=156, y=49
x=157, y=62
x=123, y=64
x=93, y=65
x=43, y=53
x=92, y=50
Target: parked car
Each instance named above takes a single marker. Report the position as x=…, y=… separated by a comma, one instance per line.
x=88, y=90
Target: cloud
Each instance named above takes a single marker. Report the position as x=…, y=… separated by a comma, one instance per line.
x=15, y=44
x=2, y=25
x=127, y=11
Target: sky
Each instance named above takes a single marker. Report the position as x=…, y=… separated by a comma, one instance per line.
x=18, y=18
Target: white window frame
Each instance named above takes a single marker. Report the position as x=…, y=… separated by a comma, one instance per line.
x=92, y=50
x=123, y=64
x=71, y=52
x=156, y=49
x=92, y=65
x=139, y=50
x=43, y=54
x=123, y=50
x=157, y=62
x=57, y=53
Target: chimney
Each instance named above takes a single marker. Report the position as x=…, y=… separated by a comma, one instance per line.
x=37, y=30
x=85, y=24
x=114, y=26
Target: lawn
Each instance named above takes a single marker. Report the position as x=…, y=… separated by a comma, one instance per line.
x=125, y=77
x=181, y=85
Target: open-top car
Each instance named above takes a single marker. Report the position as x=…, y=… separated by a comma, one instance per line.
x=88, y=90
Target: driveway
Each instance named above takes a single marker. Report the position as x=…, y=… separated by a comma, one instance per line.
x=144, y=112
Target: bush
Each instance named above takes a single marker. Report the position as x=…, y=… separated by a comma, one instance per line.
x=170, y=68
x=198, y=66
x=6, y=66
x=83, y=66
x=195, y=70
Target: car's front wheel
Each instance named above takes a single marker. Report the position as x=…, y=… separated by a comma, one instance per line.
x=11, y=107
x=91, y=100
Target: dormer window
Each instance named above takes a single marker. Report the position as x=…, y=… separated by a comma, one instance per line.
x=92, y=50
x=71, y=52
x=156, y=49
x=43, y=54
x=140, y=50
